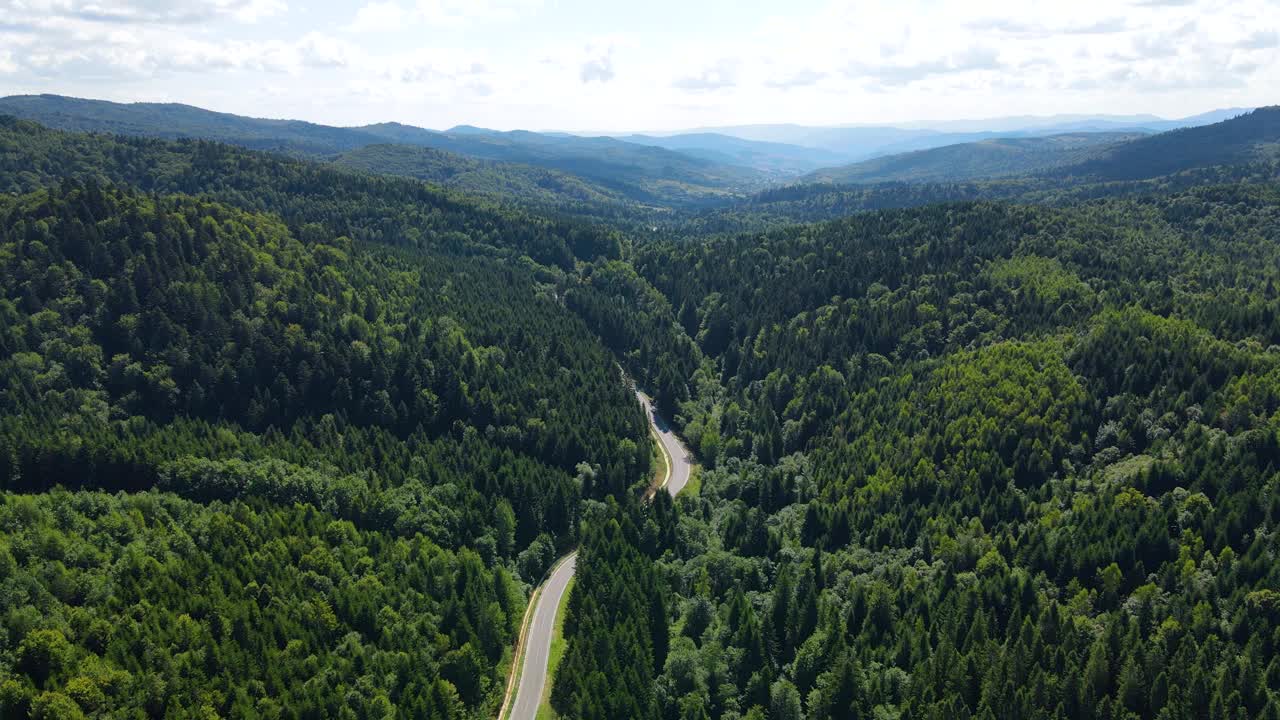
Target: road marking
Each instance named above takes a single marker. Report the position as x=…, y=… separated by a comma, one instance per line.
x=509, y=701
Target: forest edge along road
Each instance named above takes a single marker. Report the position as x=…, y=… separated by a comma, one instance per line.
x=681, y=463
x=536, y=644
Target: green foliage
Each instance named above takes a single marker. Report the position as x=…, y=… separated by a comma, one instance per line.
x=964, y=460
x=616, y=623
x=395, y=211
x=148, y=605
x=1237, y=140
x=639, y=325
x=982, y=460
x=381, y=437
x=502, y=181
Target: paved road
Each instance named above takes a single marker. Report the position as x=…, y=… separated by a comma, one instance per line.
x=533, y=675
x=681, y=461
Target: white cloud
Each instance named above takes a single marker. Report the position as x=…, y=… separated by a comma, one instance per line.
x=163, y=12
x=803, y=77
x=570, y=63
x=1260, y=40
x=716, y=76
x=379, y=17
x=904, y=73
x=390, y=15
x=598, y=69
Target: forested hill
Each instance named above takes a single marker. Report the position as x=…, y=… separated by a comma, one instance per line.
x=980, y=460
x=501, y=181
x=605, y=160
x=294, y=447
x=780, y=159
x=175, y=121
x=987, y=159
x=642, y=173
x=1249, y=137
x=365, y=207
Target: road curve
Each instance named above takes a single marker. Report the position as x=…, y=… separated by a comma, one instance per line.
x=681, y=460
x=533, y=673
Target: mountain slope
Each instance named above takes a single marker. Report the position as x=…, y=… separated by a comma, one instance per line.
x=642, y=173
x=1249, y=137
x=172, y=121
x=504, y=181
x=280, y=451
x=974, y=161
x=278, y=438
x=983, y=460
x=390, y=210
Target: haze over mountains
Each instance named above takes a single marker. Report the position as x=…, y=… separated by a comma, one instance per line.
x=864, y=141
x=652, y=181
x=687, y=166
x=994, y=158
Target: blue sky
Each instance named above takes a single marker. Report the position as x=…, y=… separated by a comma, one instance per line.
x=652, y=65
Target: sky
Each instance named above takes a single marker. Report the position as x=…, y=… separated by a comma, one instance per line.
x=609, y=66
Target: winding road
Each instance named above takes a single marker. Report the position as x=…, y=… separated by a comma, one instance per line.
x=537, y=639
x=681, y=460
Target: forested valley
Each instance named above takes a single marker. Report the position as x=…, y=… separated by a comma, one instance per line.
x=982, y=460
x=284, y=439
x=293, y=463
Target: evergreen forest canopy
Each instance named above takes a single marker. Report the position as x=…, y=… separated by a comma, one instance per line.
x=283, y=439
x=171, y=362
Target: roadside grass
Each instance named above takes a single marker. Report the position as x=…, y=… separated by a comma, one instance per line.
x=657, y=460
x=545, y=711
x=517, y=661
x=694, y=487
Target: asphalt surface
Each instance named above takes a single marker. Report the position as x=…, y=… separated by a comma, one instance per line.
x=533, y=674
x=533, y=677
x=681, y=461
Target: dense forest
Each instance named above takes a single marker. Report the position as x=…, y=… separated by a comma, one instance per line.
x=362, y=206
x=333, y=462
x=982, y=460
x=282, y=439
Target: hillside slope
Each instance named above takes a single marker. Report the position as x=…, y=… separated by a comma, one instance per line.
x=501, y=181
x=642, y=173
x=987, y=159
x=982, y=460
x=281, y=451
x=391, y=210
x=173, y=120
x=1248, y=137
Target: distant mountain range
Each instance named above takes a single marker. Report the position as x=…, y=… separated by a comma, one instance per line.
x=861, y=142
x=641, y=173
x=694, y=169
x=768, y=157
x=1095, y=156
